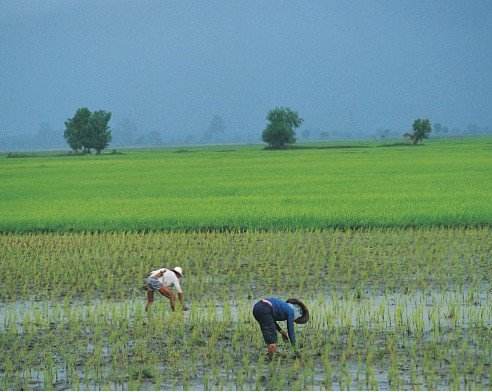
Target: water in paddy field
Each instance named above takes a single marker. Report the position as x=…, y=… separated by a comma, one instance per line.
x=416, y=316
x=447, y=307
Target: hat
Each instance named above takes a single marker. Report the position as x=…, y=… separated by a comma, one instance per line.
x=305, y=312
x=178, y=270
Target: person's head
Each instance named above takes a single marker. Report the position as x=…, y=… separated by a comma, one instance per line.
x=178, y=271
x=303, y=308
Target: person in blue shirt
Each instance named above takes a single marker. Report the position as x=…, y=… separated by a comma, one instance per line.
x=268, y=311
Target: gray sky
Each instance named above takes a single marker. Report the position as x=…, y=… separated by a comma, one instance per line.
x=170, y=66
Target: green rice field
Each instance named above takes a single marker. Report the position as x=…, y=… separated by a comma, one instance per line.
x=446, y=182
x=389, y=246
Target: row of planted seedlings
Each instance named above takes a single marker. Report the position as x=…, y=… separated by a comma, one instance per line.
x=348, y=344
x=381, y=317
x=333, y=346
x=396, y=342
x=113, y=264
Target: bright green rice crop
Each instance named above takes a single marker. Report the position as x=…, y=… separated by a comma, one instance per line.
x=443, y=182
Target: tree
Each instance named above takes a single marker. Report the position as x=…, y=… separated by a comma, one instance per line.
x=88, y=130
x=100, y=132
x=47, y=137
x=152, y=138
x=421, y=130
x=384, y=133
x=125, y=133
x=217, y=127
x=306, y=134
x=76, y=127
x=437, y=128
x=281, y=129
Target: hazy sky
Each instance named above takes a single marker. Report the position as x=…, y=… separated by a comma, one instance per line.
x=169, y=66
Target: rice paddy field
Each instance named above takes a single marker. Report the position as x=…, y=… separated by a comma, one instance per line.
x=388, y=247
x=447, y=182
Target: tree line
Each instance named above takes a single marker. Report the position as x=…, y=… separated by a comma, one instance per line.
x=280, y=131
x=87, y=130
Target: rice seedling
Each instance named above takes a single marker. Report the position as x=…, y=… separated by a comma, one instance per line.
x=386, y=312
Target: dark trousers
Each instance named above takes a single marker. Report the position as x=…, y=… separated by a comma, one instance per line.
x=263, y=314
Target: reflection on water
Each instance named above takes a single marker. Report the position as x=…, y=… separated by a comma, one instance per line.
x=443, y=309
x=419, y=313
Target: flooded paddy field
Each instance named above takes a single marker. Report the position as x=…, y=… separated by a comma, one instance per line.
x=390, y=309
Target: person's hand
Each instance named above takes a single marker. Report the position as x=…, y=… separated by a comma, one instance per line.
x=285, y=337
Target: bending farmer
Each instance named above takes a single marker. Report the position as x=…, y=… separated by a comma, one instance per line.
x=161, y=280
x=270, y=310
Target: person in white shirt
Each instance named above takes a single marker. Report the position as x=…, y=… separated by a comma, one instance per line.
x=162, y=280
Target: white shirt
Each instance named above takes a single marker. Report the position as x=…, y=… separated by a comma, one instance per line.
x=168, y=279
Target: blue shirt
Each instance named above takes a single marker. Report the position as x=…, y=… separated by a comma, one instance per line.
x=283, y=312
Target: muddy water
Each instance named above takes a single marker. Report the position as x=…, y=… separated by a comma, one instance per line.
x=446, y=308
x=420, y=314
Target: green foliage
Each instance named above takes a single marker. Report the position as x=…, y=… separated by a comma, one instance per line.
x=88, y=130
x=280, y=132
x=421, y=130
x=77, y=128
x=100, y=132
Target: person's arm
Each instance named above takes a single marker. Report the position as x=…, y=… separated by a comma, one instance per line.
x=290, y=329
x=158, y=273
x=181, y=299
x=173, y=302
x=177, y=285
x=285, y=337
x=290, y=326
